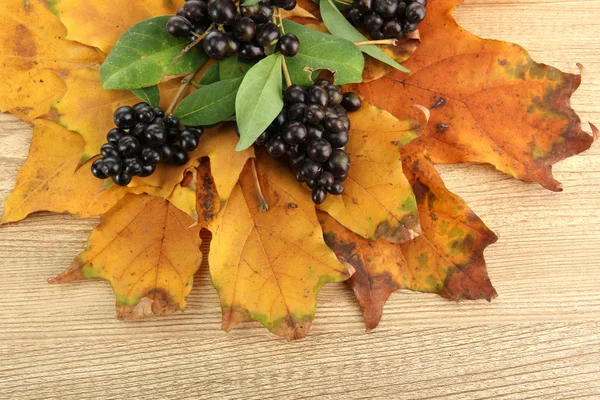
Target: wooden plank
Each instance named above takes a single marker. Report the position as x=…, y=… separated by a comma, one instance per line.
x=539, y=339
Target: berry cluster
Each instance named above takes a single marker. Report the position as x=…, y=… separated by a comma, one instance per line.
x=247, y=32
x=312, y=132
x=143, y=138
x=389, y=19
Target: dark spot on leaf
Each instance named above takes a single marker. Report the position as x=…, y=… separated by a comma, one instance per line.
x=441, y=128
x=24, y=45
x=441, y=101
x=420, y=189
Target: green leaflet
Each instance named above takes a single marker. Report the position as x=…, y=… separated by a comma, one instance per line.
x=337, y=24
x=232, y=67
x=150, y=95
x=320, y=51
x=143, y=57
x=259, y=99
x=209, y=104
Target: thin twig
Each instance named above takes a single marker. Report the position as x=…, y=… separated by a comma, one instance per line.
x=390, y=42
x=264, y=206
x=286, y=73
x=184, y=85
x=194, y=43
x=280, y=21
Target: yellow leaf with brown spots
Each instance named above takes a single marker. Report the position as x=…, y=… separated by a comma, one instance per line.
x=33, y=57
x=270, y=266
x=148, y=250
x=378, y=201
x=101, y=23
x=490, y=102
x=50, y=181
x=446, y=259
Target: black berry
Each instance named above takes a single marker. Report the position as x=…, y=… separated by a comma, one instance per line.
x=188, y=141
x=122, y=179
x=319, y=195
x=125, y=117
x=179, y=156
x=215, y=44
x=288, y=45
x=338, y=163
x=267, y=34
x=128, y=146
x=294, y=132
x=319, y=150
x=109, y=150
x=150, y=156
x=245, y=29
x=222, y=11
x=97, y=169
x=179, y=26
x=132, y=166
x=351, y=101
x=111, y=166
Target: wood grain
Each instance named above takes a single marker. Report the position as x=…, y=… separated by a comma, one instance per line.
x=539, y=339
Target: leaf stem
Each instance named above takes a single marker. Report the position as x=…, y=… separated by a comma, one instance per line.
x=280, y=23
x=264, y=206
x=194, y=43
x=184, y=85
x=286, y=73
x=390, y=42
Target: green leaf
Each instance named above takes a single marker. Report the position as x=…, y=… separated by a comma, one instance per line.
x=232, y=67
x=319, y=51
x=209, y=104
x=211, y=75
x=340, y=4
x=150, y=95
x=259, y=99
x=251, y=2
x=337, y=24
x=143, y=56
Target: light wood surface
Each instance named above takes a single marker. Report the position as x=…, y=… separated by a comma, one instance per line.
x=539, y=339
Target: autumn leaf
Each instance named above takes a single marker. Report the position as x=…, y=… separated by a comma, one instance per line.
x=148, y=250
x=446, y=259
x=262, y=269
x=226, y=165
x=50, y=181
x=101, y=23
x=490, y=102
x=378, y=201
x=88, y=109
x=34, y=55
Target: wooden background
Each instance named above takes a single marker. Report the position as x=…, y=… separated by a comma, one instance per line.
x=539, y=339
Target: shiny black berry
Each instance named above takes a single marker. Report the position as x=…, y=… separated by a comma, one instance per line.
x=334, y=93
x=244, y=29
x=408, y=27
x=155, y=134
x=373, y=22
x=125, y=117
x=319, y=150
x=263, y=138
x=179, y=156
x=188, y=141
x=338, y=163
x=166, y=151
x=318, y=95
x=122, y=179
x=310, y=169
x=267, y=34
x=132, y=166
x=97, y=169
x=215, y=44
x=392, y=29
x=333, y=124
x=294, y=94
x=109, y=150
x=415, y=13
x=147, y=170
x=173, y=135
x=319, y=195
x=288, y=45
x=364, y=6
x=314, y=114
x=251, y=52
x=280, y=120
x=356, y=18
x=128, y=146
x=171, y=121
x=222, y=11
x=196, y=130
x=233, y=45
x=179, y=26
x=314, y=132
x=297, y=112
x=195, y=11
x=111, y=166
x=139, y=131
x=159, y=112
x=337, y=139
x=294, y=132
x=326, y=179
x=114, y=135
x=277, y=147
x=351, y=101
x=346, y=121
x=386, y=8
x=145, y=115
x=150, y=156
x=337, y=188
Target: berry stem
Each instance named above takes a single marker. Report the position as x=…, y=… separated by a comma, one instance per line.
x=286, y=73
x=280, y=23
x=184, y=85
x=194, y=43
x=389, y=42
x=264, y=206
